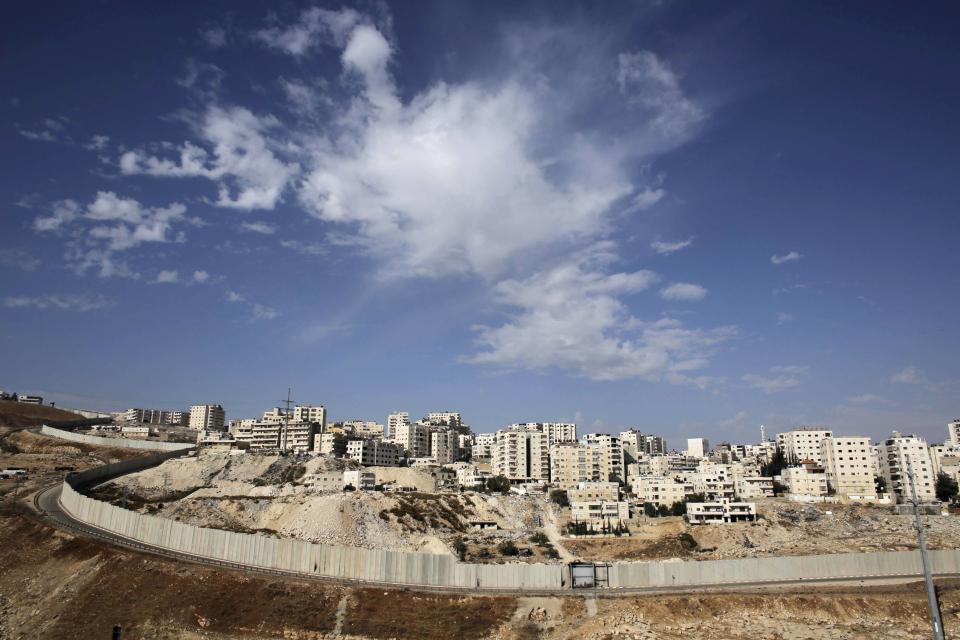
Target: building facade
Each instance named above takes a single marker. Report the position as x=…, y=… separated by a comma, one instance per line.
x=900, y=456
x=848, y=463
x=207, y=417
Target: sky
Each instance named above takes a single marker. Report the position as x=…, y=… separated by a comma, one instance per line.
x=686, y=218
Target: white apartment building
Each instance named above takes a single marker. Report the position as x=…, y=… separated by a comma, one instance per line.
x=468, y=475
x=953, y=431
x=414, y=438
x=155, y=416
x=330, y=444
x=444, y=445
x=610, y=444
x=802, y=444
x=697, y=447
x=572, y=463
x=364, y=429
x=848, y=463
x=269, y=435
x=447, y=418
x=360, y=479
x=556, y=431
x=808, y=479
x=660, y=490
x=311, y=413
x=135, y=431
x=374, y=453
x=594, y=491
x=899, y=455
x=394, y=422
x=636, y=444
x=752, y=487
x=483, y=446
x=522, y=453
x=599, y=512
x=207, y=417
x=714, y=485
x=721, y=512
x=945, y=458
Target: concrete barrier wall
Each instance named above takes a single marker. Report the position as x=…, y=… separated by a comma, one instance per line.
x=119, y=443
x=434, y=570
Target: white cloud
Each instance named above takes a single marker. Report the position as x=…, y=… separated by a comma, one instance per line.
x=263, y=312
x=249, y=174
x=793, y=256
x=47, y=130
x=18, y=259
x=233, y=296
x=258, y=227
x=97, y=143
x=649, y=82
x=683, y=291
x=666, y=248
x=200, y=277
x=315, y=27
x=910, y=375
x=306, y=248
x=167, y=277
x=867, y=398
x=785, y=318
x=215, y=37
x=64, y=212
x=570, y=317
x=771, y=384
x=59, y=302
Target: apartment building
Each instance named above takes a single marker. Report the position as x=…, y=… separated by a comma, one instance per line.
x=311, y=413
x=721, y=512
x=556, y=431
x=445, y=418
x=483, y=446
x=599, y=512
x=899, y=457
x=714, y=485
x=394, y=422
x=808, y=479
x=522, y=453
x=414, y=438
x=330, y=444
x=697, y=447
x=152, y=416
x=572, y=463
x=752, y=487
x=260, y=435
x=209, y=417
x=660, y=490
x=360, y=479
x=610, y=445
x=374, y=453
x=953, y=431
x=802, y=444
x=364, y=429
x=848, y=463
x=444, y=445
x=595, y=491
x=636, y=444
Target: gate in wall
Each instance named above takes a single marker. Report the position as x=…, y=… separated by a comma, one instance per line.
x=589, y=575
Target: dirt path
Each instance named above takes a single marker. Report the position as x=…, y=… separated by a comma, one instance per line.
x=552, y=530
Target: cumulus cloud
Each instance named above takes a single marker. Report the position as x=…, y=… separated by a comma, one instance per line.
x=263, y=312
x=58, y=302
x=63, y=212
x=200, y=277
x=215, y=37
x=233, y=296
x=315, y=27
x=793, y=256
x=570, y=317
x=97, y=143
x=683, y=291
x=249, y=174
x=785, y=378
x=47, y=130
x=666, y=248
x=167, y=277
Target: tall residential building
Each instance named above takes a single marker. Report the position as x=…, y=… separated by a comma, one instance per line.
x=953, y=430
x=311, y=413
x=848, y=462
x=365, y=429
x=613, y=454
x=556, y=431
x=572, y=463
x=483, y=446
x=374, y=453
x=522, y=453
x=269, y=434
x=445, y=418
x=697, y=447
x=414, y=438
x=899, y=455
x=444, y=445
x=394, y=422
x=636, y=444
x=802, y=444
x=207, y=417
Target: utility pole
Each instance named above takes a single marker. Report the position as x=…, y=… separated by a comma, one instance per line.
x=931, y=590
x=286, y=422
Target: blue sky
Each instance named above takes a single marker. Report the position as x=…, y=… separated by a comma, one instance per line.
x=691, y=219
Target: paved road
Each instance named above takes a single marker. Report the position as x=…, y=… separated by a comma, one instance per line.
x=46, y=503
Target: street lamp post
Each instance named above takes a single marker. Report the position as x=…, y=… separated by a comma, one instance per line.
x=928, y=578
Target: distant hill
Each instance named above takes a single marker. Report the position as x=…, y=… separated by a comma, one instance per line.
x=17, y=415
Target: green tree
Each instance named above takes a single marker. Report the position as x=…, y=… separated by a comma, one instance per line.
x=508, y=548
x=498, y=484
x=678, y=509
x=460, y=547
x=539, y=538
x=649, y=509
x=663, y=510
x=777, y=464
x=560, y=498
x=947, y=488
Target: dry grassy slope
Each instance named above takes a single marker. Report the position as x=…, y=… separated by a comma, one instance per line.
x=15, y=415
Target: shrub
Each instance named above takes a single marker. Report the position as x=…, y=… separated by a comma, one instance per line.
x=460, y=547
x=560, y=498
x=539, y=538
x=508, y=548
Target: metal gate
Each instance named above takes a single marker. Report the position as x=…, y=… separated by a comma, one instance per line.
x=589, y=575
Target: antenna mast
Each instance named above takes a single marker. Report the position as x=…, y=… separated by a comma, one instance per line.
x=286, y=422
